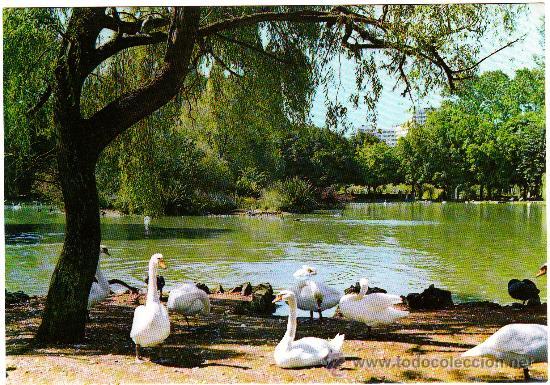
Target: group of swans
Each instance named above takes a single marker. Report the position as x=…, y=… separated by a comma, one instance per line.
x=518, y=345
x=308, y=294
x=371, y=309
x=151, y=325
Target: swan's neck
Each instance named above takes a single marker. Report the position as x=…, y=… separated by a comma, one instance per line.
x=152, y=295
x=291, y=326
x=101, y=279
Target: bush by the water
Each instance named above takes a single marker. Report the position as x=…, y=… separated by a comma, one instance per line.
x=293, y=195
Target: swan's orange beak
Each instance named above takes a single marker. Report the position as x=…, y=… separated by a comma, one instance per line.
x=542, y=271
x=278, y=297
x=162, y=264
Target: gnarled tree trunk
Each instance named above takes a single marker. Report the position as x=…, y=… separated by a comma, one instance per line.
x=64, y=318
x=80, y=141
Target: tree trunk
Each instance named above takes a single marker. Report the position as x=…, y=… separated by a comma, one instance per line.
x=64, y=317
x=79, y=143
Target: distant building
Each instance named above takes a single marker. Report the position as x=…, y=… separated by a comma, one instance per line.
x=420, y=115
x=388, y=135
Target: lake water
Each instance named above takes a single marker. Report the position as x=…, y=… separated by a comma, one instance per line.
x=471, y=249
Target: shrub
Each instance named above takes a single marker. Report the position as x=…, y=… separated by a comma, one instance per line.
x=250, y=182
x=293, y=195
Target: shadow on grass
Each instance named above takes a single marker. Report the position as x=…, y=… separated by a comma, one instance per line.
x=219, y=335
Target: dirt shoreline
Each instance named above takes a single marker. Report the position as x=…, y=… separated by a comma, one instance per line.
x=226, y=348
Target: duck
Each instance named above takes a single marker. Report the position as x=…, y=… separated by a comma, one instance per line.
x=542, y=271
x=523, y=290
x=188, y=299
x=312, y=295
x=161, y=282
x=371, y=309
x=151, y=325
x=308, y=351
x=100, y=288
x=517, y=345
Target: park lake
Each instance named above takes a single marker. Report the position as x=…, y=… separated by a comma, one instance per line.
x=472, y=249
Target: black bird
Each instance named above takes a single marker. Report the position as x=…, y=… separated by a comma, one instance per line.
x=523, y=290
x=160, y=283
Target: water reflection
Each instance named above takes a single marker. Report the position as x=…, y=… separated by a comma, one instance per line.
x=470, y=249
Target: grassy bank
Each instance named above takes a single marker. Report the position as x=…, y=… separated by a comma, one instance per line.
x=225, y=347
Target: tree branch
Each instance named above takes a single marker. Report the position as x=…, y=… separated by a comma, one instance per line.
x=42, y=99
x=222, y=63
x=253, y=48
x=303, y=16
x=117, y=44
x=488, y=56
x=128, y=109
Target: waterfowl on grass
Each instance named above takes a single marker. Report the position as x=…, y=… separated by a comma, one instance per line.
x=151, y=325
x=313, y=295
x=517, y=345
x=187, y=299
x=371, y=309
x=523, y=290
x=308, y=351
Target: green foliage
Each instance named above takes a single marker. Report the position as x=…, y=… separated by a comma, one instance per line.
x=320, y=155
x=378, y=163
x=250, y=182
x=242, y=120
x=491, y=136
x=293, y=195
x=30, y=46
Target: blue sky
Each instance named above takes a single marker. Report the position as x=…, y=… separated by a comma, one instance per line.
x=394, y=109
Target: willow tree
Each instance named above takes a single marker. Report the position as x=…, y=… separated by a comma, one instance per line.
x=422, y=46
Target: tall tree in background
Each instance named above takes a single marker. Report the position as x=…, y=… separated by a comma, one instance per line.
x=423, y=46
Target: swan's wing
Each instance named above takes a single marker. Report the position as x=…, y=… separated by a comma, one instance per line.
x=187, y=302
x=380, y=300
x=523, y=339
x=310, y=350
x=517, y=344
x=142, y=321
x=97, y=294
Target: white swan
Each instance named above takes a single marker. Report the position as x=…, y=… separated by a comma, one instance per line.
x=517, y=345
x=146, y=223
x=308, y=351
x=312, y=295
x=372, y=309
x=151, y=324
x=188, y=299
x=100, y=289
x=305, y=271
